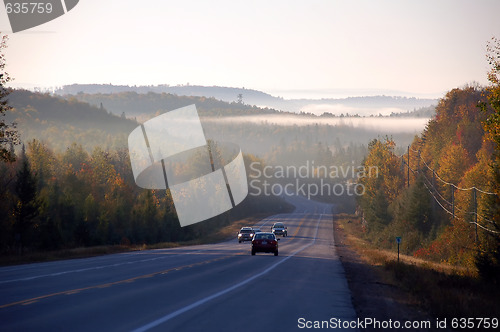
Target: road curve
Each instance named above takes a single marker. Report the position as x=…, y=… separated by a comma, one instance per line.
x=217, y=287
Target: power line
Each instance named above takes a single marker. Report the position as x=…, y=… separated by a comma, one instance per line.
x=449, y=183
x=458, y=218
x=452, y=204
x=435, y=190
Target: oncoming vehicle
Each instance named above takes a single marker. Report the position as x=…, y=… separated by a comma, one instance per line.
x=256, y=230
x=279, y=229
x=265, y=242
x=245, y=234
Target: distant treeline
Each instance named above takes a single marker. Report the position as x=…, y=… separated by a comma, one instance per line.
x=55, y=200
x=59, y=122
x=132, y=104
x=424, y=112
x=52, y=200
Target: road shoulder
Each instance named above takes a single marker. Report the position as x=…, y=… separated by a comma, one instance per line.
x=373, y=297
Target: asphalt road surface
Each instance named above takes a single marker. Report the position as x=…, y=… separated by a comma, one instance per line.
x=217, y=287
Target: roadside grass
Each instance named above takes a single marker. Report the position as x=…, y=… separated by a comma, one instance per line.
x=222, y=234
x=445, y=291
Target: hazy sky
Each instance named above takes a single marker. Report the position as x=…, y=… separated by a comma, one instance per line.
x=421, y=47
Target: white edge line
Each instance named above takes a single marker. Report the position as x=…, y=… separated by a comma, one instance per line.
x=225, y=291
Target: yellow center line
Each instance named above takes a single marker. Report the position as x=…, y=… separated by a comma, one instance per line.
x=130, y=280
x=300, y=225
x=125, y=281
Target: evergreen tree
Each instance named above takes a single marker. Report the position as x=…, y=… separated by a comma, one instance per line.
x=27, y=204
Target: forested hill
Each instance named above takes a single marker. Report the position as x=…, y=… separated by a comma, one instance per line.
x=133, y=104
x=446, y=210
x=364, y=105
x=60, y=122
x=44, y=107
x=104, y=120
x=227, y=94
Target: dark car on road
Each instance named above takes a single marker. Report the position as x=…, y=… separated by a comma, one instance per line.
x=279, y=229
x=245, y=234
x=265, y=242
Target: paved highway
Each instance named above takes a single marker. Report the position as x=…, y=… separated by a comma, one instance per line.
x=217, y=287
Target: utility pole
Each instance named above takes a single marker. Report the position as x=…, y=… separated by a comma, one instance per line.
x=475, y=210
x=408, y=166
x=453, y=201
x=418, y=162
x=434, y=191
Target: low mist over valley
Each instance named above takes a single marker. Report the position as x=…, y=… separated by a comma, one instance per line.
x=105, y=115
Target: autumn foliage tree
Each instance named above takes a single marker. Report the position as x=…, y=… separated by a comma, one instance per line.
x=437, y=214
x=55, y=200
x=488, y=259
x=383, y=188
